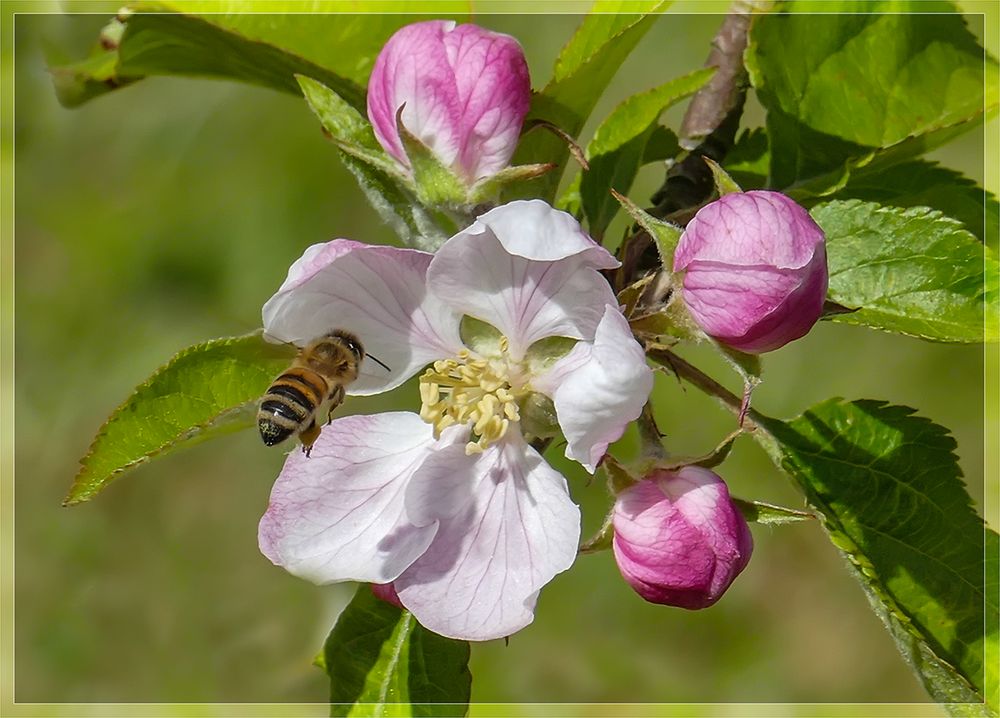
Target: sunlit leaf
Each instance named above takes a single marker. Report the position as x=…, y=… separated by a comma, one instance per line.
x=926, y=184
x=911, y=271
x=888, y=488
x=205, y=391
x=618, y=149
x=584, y=68
x=266, y=44
x=838, y=84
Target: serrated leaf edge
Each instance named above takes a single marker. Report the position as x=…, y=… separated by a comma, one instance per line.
x=78, y=495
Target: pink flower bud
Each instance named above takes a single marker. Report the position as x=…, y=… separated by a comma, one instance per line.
x=465, y=89
x=755, y=270
x=679, y=539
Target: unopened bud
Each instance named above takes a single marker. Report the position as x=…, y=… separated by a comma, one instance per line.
x=464, y=91
x=679, y=539
x=755, y=274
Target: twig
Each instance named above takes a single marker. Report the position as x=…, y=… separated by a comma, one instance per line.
x=689, y=372
x=712, y=119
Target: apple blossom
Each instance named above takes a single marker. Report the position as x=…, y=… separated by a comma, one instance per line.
x=464, y=91
x=678, y=538
x=755, y=274
x=453, y=506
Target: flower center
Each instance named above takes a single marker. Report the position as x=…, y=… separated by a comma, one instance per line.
x=476, y=391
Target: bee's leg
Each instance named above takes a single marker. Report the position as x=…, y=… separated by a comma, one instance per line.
x=308, y=437
x=336, y=399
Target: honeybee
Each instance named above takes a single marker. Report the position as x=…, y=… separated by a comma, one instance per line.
x=319, y=375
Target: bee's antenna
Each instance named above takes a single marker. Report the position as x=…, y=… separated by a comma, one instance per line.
x=378, y=361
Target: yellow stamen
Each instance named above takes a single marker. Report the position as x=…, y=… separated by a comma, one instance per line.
x=473, y=391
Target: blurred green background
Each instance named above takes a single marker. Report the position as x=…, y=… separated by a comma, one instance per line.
x=166, y=214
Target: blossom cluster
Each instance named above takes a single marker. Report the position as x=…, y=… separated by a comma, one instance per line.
x=516, y=338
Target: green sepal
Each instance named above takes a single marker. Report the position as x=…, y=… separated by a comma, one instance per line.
x=665, y=235
x=538, y=417
x=435, y=185
x=707, y=461
x=347, y=128
x=724, y=184
x=759, y=512
x=602, y=540
x=488, y=189
x=619, y=477
x=671, y=320
x=479, y=336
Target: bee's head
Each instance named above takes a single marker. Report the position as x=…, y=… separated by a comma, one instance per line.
x=351, y=343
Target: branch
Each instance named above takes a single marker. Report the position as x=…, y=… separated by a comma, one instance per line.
x=712, y=119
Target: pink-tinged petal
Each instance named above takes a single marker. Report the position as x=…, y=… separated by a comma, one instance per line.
x=528, y=270
x=378, y=293
x=755, y=274
x=412, y=70
x=480, y=578
x=658, y=552
x=494, y=89
x=339, y=514
x=679, y=540
x=598, y=389
x=749, y=229
x=757, y=309
x=443, y=486
x=464, y=92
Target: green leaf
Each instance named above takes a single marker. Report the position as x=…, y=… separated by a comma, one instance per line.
x=919, y=183
x=759, y=512
x=911, y=271
x=382, y=662
x=748, y=162
x=838, y=85
x=331, y=43
x=662, y=145
x=205, y=391
x=888, y=487
x=583, y=70
x=81, y=81
x=619, y=145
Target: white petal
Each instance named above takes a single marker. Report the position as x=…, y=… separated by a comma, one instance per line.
x=481, y=576
x=535, y=230
x=339, y=515
x=443, y=485
x=598, y=389
x=528, y=270
x=378, y=293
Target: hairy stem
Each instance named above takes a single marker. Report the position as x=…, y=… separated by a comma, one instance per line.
x=752, y=421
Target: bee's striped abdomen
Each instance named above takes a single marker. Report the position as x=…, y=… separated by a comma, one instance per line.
x=289, y=404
